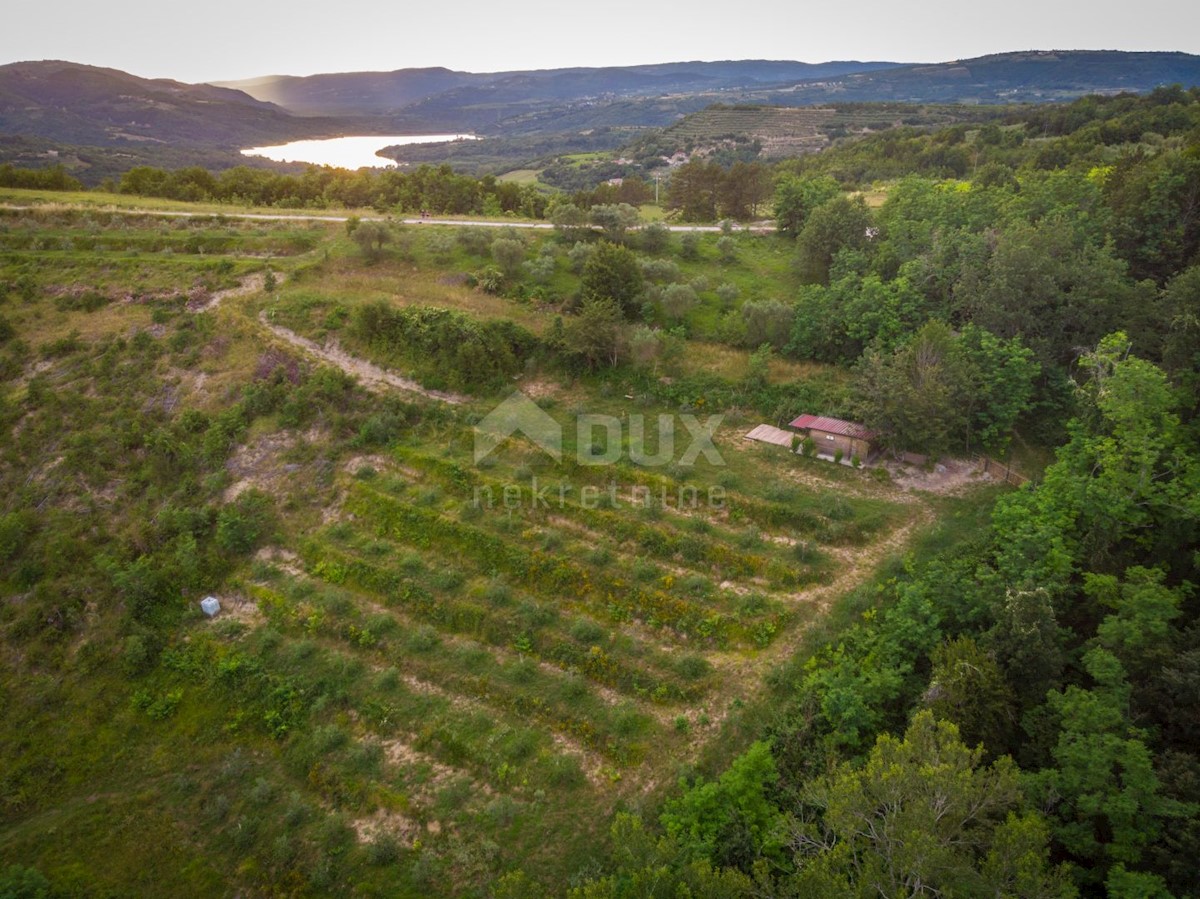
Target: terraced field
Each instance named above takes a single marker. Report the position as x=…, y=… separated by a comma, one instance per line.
x=782, y=131
x=541, y=638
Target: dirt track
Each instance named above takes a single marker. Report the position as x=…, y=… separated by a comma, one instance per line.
x=371, y=376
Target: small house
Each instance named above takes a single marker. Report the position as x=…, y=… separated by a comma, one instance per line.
x=833, y=434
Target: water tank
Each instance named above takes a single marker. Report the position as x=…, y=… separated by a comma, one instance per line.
x=210, y=605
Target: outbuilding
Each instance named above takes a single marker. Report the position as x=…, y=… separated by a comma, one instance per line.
x=833, y=434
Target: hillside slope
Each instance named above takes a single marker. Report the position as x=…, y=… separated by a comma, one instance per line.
x=79, y=104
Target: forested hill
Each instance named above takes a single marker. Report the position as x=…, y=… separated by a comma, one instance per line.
x=572, y=99
x=381, y=93
x=1036, y=75
x=78, y=104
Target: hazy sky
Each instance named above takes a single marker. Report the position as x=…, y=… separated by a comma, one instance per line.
x=227, y=39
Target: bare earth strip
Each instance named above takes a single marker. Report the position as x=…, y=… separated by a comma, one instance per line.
x=371, y=376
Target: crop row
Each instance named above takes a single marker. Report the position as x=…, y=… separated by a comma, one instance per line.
x=657, y=540
x=490, y=626
x=830, y=518
x=546, y=574
x=280, y=685
x=527, y=693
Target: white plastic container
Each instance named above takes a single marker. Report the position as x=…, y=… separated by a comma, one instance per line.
x=210, y=605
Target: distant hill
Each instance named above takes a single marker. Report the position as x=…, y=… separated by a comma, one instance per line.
x=493, y=96
x=1033, y=76
x=351, y=93
x=87, y=105
x=581, y=99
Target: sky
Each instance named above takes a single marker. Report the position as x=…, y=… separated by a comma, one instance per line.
x=234, y=39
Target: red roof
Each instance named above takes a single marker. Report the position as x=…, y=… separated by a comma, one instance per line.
x=833, y=426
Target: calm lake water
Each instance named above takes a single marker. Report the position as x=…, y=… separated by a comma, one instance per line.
x=348, y=152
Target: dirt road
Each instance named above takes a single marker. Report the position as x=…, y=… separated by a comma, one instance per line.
x=313, y=217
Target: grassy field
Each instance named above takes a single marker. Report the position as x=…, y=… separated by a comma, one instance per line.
x=427, y=673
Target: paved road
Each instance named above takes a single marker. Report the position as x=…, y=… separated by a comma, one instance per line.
x=312, y=217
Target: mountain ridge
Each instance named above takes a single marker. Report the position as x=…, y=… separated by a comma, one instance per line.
x=382, y=93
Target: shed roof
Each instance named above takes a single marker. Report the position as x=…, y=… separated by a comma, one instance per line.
x=833, y=426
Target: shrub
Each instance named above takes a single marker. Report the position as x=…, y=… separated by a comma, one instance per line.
x=476, y=241
x=508, y=255
x=462, y=350
x=244, y=523
x=727, y=247
x=656, y=237
x=587, y=631
x=677, y=301
x=578, y=256
x=662, y=271
x=693, y=667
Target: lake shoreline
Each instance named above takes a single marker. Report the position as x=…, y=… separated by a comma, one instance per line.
x=349, y=152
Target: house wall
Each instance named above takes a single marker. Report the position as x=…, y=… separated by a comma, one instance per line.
x=829, y=444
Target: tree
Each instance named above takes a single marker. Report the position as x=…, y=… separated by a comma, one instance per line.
x=924, y=817
x=645, y=346
x=371, y=238
x=1138, y=629
x=1002, y=373
x=508, y=253
x=615, y=219
x=694, y=190
x=730, y=821
x=968, y=688
x=648, y=867
x=578, y=256
x=916, y=396
x=594, y=335
x=835, y=225
x=245, y=522
x=656, y=238
x=677, y=301
x=542, y=267
x=744, y=187
x=1048, y=285
x=767, y=321
x=1131, y=456
x=796, y=198
x=612, y=272
x=1181, y=343
x=568, y=219
x=1103, y=788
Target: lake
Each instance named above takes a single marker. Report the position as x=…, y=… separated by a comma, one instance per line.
x=348, y=152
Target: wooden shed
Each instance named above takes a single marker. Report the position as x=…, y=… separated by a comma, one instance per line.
x=833, y=434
